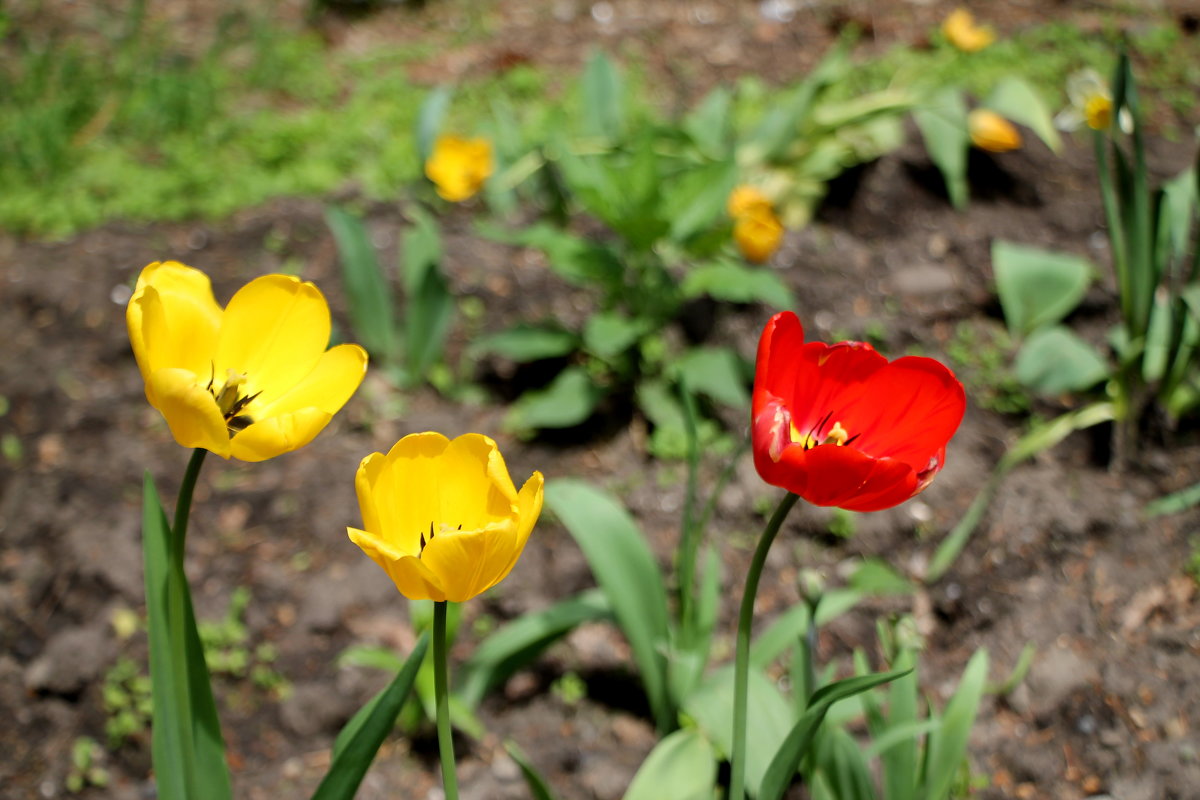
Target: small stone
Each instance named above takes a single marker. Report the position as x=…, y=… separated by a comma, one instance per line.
x=69, y=661
x=923, y=279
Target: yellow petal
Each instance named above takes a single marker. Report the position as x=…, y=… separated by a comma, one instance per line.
x=458, y=167
x=414, y=580
x=190, y=410
x=336, y=376
x=747, y=200
x=1097, y=110
x=274, y=331
x=962, y=32
x=365, y=481
x=470, y=562
x=173, y=319
x=992, y=132
x=758, y=236
x=267, y=438
x=529, y=508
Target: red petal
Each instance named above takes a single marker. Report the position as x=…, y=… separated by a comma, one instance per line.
x=777, y=362
x=828, y=378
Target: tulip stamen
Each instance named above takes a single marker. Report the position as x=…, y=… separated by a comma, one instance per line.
x=230, y=399
x=425, y=541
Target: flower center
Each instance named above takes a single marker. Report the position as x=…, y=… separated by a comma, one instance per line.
x=231, y=399
x=425, y=541
x=836, y=435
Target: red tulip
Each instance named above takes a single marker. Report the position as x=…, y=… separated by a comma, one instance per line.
x=842, y=426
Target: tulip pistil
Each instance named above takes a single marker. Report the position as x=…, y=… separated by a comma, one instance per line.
x=231, y=401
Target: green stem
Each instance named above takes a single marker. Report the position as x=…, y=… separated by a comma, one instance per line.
x=741, y=667
x=183, y=505
x=442, y=693
x=690, y=534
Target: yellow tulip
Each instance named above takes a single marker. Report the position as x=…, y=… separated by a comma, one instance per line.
x=251, y=381
x=458, y=167
x=961, y=31
x=992, y=132
x=442, y=516
x=758, y=235
x=747, y=200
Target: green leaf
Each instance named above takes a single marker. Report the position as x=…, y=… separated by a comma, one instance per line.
x=716, y=372
x=367, y=292
x=526, y=343
x=711, y=707
x=737, y=283
x=709, y=125
x=356, y=745
x=626, y=571
x=610, y=333
x=429, y=121
x=943, y=126
x=840, y=760
x=521, y=641
x=947, y=747
x=603, y=98
x=1054, y=360
x=1175, y=502
x=186, y=746
x=876, y=577
x=538, y=788
x=429, y=305
x=680, y=767
x=796, y=745
x=1016, y=100
x=569, y=400
x=1037, y=287
x=578, y=261
x=695, y=200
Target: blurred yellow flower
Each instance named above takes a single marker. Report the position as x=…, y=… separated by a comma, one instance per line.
x=747, y=200
x=961, y=31
x=458, y=167
x=992, y=132
x=442, y=516
x=251, y=381
x=758, y=235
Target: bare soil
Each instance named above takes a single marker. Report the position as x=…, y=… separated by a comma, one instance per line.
x=1065, y=559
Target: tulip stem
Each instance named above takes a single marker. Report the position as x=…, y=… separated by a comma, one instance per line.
x=183, y=506
x=442, y=693
x=741, y=668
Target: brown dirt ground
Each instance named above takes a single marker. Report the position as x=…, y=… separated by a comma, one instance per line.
x=1064, y=559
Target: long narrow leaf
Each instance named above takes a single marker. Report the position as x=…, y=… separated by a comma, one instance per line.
x=367, y=292
x=429, y=306
x=625, y=569
x=538, y=788
x=787, y=758
x=947, y=747
x=356, y=745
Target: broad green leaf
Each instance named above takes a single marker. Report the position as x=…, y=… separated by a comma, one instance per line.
x=796, y=745
x=1054, y=360
x=947, y=747
x=356, y=745
x=429, y=306
x=186, y=745
x=737, y=283
x=526, y=343
x=1177, y=214
x=680, y=767
x=538, y=788
x=1015, y=99
x=367, y=292
x=1037, y=287
x=943, y=126
x=610, y=333
x=836, y=117
x=696, y=200
x=518, y=643
x=626, y=571
x=710, y=124
x=716, y=372
x=840, y=759
x=877, y=578
x=711, y=707
x=569, y=400
x=429, y=121
x=603, y=98
x=577, y=260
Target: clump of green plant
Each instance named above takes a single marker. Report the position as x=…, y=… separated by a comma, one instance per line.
x=87, y=766
x=127, y=702
x=227, y=649
x=981, y=358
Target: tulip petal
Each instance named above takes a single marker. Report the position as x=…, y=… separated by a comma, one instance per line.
x=414, y=580
x=190, y=410
x=173, y=319
x=529, y=508
x=471, y=561
x=843, y=477
x=365, y=481
x=406, y=489
x=332, y=381
x=905, y=411
x=274, y=331
x=274, y=436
